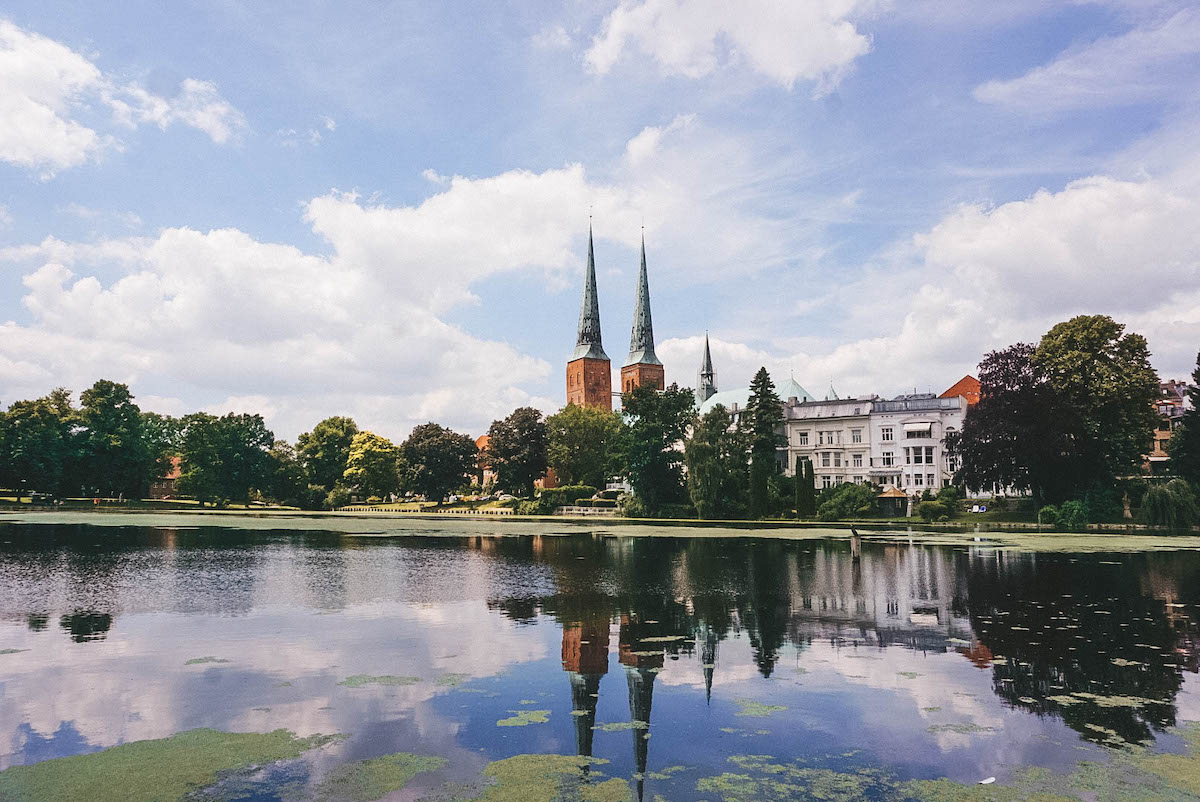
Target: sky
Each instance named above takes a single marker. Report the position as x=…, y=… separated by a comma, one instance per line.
x=376, y=209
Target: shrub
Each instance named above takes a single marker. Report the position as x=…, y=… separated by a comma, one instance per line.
x=1048, y=515
x=556, y=497
x=1073, y=515
x=374, y=500
x=950, y=496
x=525, y=507
x=1103, y=504
x=583, y=502
x=1172, y=504
x=606, y=503
x=609, y=495
x=999, y=503
x=338, y=497
x=931, y=511
x=632, y=506
x=846, y=500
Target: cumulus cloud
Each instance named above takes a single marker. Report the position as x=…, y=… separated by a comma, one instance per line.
x=1152, y=60
x=985, y=277
x=46, y=86
x=805, y=40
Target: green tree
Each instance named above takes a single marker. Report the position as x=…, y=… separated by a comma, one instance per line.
x=288, y=481
x=36, y=445
x=1020, y=434
x=715, y=456
x=374, y=465
x=326, y=449
x=1103, y=377
x=438, y=460
x=1184, y=447
x=113, y=454
x=846, y=500
x=582, y=443
x=1173, y=504
x=516, y=450
x=162, y=435
x=650, y=457
x=223, y=458
x=806, y=489
x=764, y=418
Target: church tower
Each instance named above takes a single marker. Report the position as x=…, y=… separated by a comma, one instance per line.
x=642, y=366
x=589, y=373
x=706, y=388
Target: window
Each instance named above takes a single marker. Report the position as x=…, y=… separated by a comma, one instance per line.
x=824, y=459
x=858, y=480
x=887, y=459
x=802, y=439
x=837, y=459
x=952, y=464
x=856, y=461
x=886, y=434
x=931, y=479
x=826, y=482
x=928, y=455
x=856, y=435
x=918, y=480
x=858, y=410
x=918, y=430
x=837, y=480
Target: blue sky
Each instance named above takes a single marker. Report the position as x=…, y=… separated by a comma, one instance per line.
x=380, y=209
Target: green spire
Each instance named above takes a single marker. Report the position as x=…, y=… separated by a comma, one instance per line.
x=641, y=340
x=587, y=340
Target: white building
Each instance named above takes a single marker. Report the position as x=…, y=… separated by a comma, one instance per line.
x=835, y=435
x=908, y=441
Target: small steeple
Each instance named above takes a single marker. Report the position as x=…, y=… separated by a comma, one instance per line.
x=641, y=340
x=832, y=394
x=587, y=341
x=708, y=377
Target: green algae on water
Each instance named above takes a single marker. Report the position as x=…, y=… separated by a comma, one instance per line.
x=908, y=674
x=148, y=771
x=960, y=728
x=12, y=651
x=451, y=680
x=523, y=718
x=551, y=778
x=360, y=680
x=195, y=661
x=617, y=726
x=367, y=780
x=749, y=707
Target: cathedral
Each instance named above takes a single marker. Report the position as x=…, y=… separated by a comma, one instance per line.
x=589, y=372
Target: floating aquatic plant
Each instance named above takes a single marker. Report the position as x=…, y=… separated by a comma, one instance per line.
x=749, y=707
x=522, y=718
x=366, y=780
x=195, y=661
x=360, y=680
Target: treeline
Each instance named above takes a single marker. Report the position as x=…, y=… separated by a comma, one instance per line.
x=1070, y=421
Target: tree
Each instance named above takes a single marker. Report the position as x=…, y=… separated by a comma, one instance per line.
x=438, y=460
x=35, y=444
x=1104, y=380
x=764, y=416
x=1019, y=434
x=658, y=422
x=113, y=454
x=162, y=435
x=1184, y=447
x=806, y=489
x=517, y=448
x=288, y=481
x=582, y=443
x=223, y=458
x=326, y=449
x=715, y=455
x=846, y=501
x=1173, y=504
x=374, y=465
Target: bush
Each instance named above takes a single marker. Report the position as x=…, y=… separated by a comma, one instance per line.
x=677, y=511
x=1103, y=504
x=1048, y=515
x=525, y=507
x=846, y=500
x=632, y=506
x=374, y=500
x=931, y=511
x=556, y=497
x=950, y=494
x=583, y=502
x=1173, y=504
x=1073, y=515
x=338, y=497
x=999, y=503
x=606, y=503
x=609, y=495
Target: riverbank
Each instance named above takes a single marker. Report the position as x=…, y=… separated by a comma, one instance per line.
x=376, y=525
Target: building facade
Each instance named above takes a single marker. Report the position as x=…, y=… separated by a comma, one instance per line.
x=908, y=437
x=1172, y=402
x=834, y=435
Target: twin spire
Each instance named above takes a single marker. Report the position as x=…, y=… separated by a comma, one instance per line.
x=641, y=340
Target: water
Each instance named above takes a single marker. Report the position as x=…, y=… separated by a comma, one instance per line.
x=919, y=661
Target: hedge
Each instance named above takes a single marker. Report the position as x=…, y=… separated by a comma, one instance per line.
x=556, y=497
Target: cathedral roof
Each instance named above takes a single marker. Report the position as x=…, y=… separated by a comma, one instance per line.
x=641, y=339
x=587, y=340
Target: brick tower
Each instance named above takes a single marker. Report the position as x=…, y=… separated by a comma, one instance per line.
x=642, y=366
x=589, y=373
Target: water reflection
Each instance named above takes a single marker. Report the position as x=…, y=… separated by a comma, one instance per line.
x=856, y=644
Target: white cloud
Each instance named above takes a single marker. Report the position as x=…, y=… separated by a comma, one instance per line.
x=986, y=277
x=1153, y=60
x=552, y=37
x=805, y=40
x=44, y=86
x=5, y=216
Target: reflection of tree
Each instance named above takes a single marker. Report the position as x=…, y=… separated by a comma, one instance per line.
x=37, y=621
x=1076, y=637
x=85, y=625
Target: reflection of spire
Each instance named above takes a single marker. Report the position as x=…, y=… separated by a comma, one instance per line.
x=641, y=695
x=708, y=659
x=585, y=659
